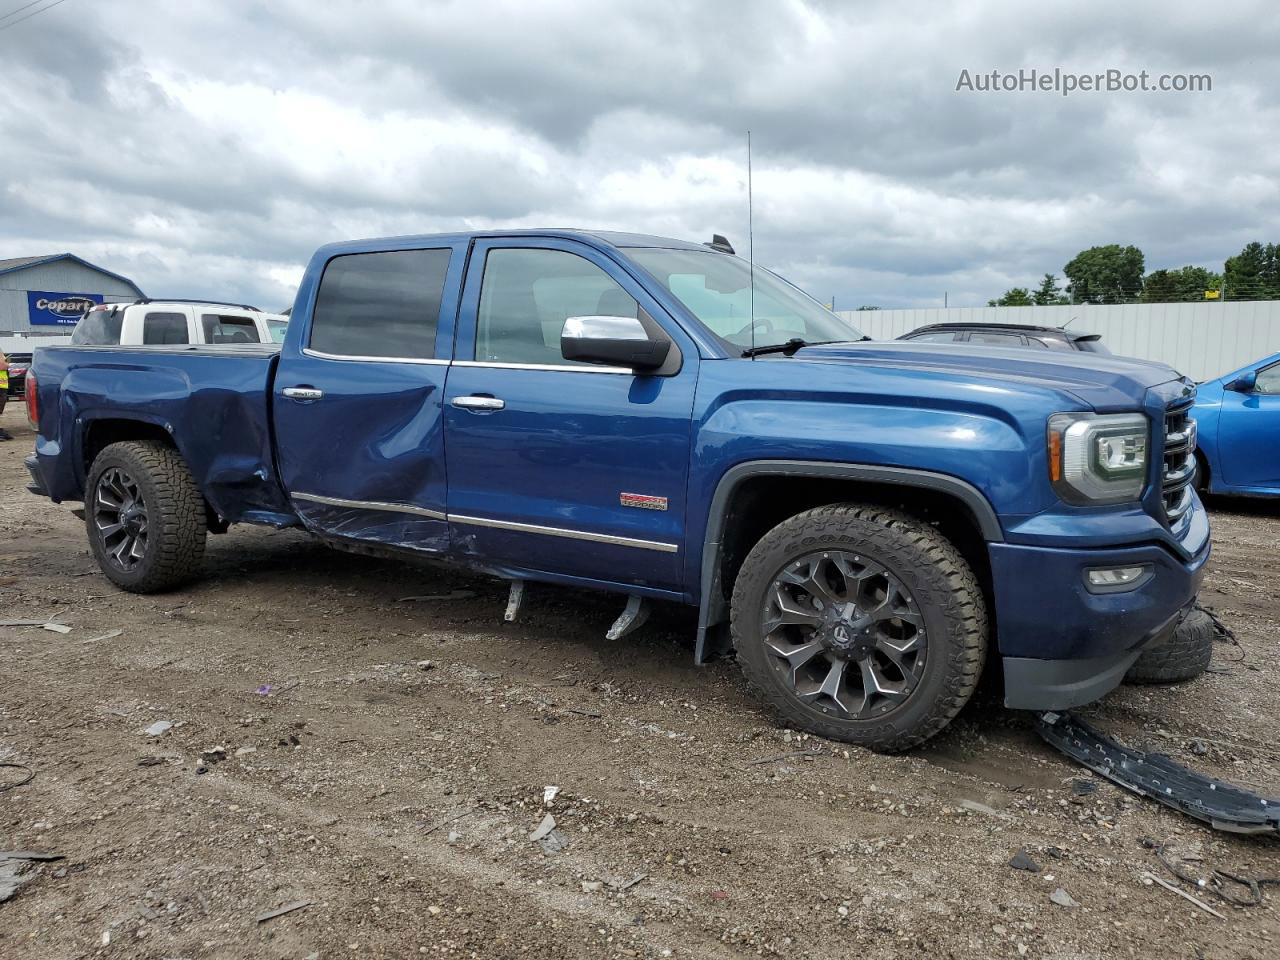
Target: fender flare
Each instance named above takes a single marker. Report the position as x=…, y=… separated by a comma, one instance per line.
x=712, y=609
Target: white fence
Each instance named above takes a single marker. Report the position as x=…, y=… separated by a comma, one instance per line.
x=1201, y=340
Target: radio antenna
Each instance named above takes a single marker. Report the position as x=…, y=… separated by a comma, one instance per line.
x=751, y=250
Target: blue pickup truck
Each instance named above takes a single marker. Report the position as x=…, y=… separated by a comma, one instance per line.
x=864, y=524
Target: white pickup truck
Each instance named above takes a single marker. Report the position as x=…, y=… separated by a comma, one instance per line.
x=170, y=322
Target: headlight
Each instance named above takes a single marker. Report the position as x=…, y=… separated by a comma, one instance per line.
x=1097, y=459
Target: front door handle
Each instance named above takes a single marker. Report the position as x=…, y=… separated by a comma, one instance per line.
x=479, y=403
x=302, y=394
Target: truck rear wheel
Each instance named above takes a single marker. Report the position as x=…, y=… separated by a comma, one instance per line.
x=860, y=623
x=145, y=516
x=1183, y=655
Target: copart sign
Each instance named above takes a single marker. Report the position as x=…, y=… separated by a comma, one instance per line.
x=45, y=309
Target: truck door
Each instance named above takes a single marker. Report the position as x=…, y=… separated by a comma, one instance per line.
x=1247, y=427
x=555, y=466
x=357, y=396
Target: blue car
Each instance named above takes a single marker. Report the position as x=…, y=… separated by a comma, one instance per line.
x=1238, y=418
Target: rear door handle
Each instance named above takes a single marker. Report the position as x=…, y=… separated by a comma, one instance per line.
x=302, y=394
x=479, y=403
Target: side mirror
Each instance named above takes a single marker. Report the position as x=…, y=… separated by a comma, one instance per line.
x=1245, y=383
x=612, y=341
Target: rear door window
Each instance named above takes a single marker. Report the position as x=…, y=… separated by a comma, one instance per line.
x=161, y=328
x=228, y=328
x=380, y=304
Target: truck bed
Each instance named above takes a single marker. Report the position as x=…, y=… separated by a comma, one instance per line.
x=211, y=401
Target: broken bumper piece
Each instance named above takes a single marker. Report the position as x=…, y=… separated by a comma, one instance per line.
x=1221, y=805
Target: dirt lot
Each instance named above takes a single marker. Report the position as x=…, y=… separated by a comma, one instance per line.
x=386, y=759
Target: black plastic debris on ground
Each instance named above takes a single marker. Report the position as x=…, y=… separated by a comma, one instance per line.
x=1022, y=861
x=1220, y=804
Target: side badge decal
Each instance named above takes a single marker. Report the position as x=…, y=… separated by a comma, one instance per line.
x=643, y=501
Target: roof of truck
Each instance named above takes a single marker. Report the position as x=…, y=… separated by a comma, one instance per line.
x=611, y=237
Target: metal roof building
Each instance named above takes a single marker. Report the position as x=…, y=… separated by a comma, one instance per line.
x=46, y=295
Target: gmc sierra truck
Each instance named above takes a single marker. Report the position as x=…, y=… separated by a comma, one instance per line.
x=865, y=524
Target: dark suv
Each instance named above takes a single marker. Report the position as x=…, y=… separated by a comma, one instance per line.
x=1008, y=335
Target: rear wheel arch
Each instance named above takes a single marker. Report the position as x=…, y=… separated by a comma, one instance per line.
x=99, y=434
x=754, y=497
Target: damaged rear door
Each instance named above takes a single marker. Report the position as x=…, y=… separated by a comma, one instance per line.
x=357, y=397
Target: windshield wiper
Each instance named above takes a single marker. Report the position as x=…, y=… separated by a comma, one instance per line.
x=789, y=348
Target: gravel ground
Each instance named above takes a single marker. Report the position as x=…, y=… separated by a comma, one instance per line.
x=385, y=760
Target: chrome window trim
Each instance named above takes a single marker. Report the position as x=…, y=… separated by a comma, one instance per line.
x=320, y=354
x=371, y=505
x=561, y=368
x=569, y=534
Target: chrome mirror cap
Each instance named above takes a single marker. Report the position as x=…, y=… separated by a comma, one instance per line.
x=604, y=328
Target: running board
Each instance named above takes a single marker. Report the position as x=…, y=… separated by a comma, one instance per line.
x=1219, y=804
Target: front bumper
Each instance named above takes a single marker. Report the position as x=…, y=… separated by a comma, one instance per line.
x=1063, y=645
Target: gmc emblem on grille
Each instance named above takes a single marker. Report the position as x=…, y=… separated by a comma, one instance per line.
x=643, y=501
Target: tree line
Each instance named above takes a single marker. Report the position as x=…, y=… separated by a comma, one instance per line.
x=1116, y=274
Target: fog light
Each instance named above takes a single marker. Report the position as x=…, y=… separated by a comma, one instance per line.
x=1116, y=578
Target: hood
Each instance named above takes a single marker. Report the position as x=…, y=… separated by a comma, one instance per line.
x=1103, y=382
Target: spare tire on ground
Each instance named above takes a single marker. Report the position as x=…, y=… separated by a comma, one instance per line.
x=1182, y=655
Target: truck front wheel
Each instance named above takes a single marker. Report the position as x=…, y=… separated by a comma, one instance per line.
x=860, y=623
x=145, y=516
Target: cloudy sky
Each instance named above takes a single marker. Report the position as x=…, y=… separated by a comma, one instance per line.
x=205, y=148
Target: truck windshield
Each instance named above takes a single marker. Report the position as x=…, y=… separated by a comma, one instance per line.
x=716, y=288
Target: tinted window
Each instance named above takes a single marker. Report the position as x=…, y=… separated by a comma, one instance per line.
x=99, y=328
x=996, y=339
x=1053, y=343
x=228, y=329
x=527, y=295
x=161, y=328
x=1268, y=380
x=946, y=336
x=380, y=304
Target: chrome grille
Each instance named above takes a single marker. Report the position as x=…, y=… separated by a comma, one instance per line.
x=1179, y=460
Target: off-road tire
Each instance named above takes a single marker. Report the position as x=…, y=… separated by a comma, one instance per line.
x=1183, y=655
x=945, y=590
x=176, y=519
